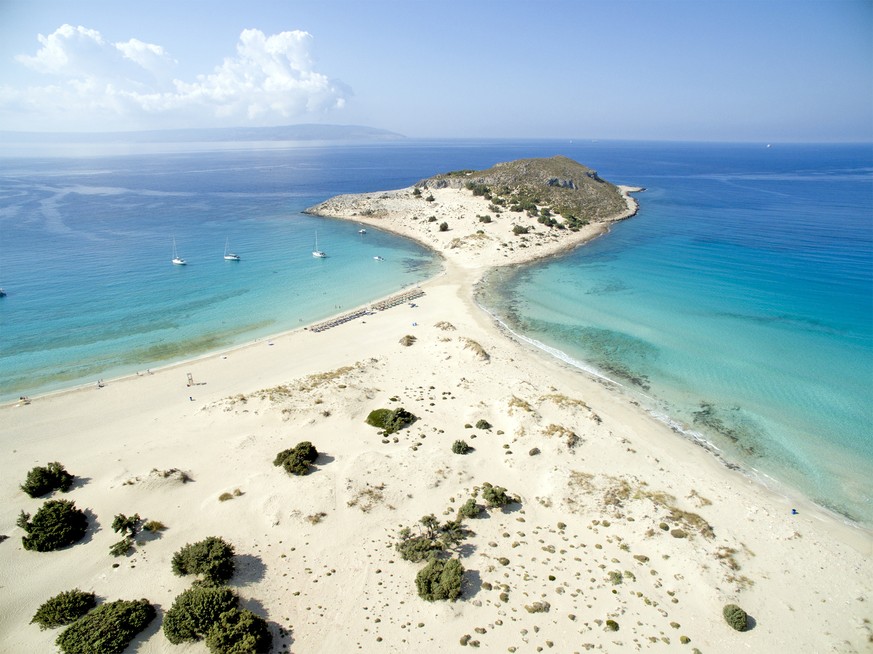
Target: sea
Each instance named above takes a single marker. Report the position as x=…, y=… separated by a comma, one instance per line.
x=736, y=306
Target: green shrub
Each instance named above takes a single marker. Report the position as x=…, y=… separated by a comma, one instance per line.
x=64, y=608
x=298, y=459
x=42, y=480
x=495, y=496
x=154, y=526
x=108, y=629
x=469, y=509
x=239, y=631
x=483, y=424
x=444, y=227
x=122, y=547
x=611, y=625
x=460, y=447
x=390, y=421
x=122, y=524
x=518, y=229
x=440, y=580
x=212, y=558
x=195, y=611
x=417, y=548
x=58, y=523
x=735, y=617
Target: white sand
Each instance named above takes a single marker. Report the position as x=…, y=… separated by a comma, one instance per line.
x=337, y=584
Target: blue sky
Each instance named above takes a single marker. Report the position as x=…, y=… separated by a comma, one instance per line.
x=716, y=70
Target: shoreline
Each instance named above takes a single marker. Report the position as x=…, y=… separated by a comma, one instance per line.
x=315, y=554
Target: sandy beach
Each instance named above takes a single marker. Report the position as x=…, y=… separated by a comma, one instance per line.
x=618, y=518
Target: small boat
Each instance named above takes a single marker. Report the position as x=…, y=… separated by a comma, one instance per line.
x=378, y=258
x=362, y=231
x=229, y=256
x=2, y=293
x=177, y=260
x=318, y=254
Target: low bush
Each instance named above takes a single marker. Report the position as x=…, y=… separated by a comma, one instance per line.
x=195, y=611
x=440, y=580
x=390, y=421
x=518, y=230
x=58, y=523
x=297, y=460
x=417, y=548
x=444, y=227
x=64, y=608
x=129, y=525
x=42, y=480
x=469, y=509
x=735, y=617
x=483, y=424
x=122, y=547
x=495, y=496
x=108, y=629
x=211, y=558
x=239, y=631
x=461, y=447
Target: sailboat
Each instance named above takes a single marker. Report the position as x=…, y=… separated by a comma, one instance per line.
x=316, y=252
x=229, y=256
x=177, y=260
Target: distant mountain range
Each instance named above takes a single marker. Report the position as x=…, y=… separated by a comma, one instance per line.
x=309, y=132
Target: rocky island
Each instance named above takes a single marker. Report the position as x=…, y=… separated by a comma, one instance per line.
x=511, y=213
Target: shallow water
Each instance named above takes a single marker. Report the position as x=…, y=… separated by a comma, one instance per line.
x=739, y=302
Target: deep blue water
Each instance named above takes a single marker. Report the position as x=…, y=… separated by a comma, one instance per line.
x=739, y=302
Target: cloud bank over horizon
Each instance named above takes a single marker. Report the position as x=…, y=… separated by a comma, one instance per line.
x=95, y=84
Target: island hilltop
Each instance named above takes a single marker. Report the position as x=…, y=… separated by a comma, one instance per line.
x=514, y=212
x=413, y=479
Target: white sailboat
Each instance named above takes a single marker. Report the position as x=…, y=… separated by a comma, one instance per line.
x=229, y=256
x=318, y=254
x=177, y=260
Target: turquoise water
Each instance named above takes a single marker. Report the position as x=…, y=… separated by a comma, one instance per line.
x=738, y=303
x=86, y=250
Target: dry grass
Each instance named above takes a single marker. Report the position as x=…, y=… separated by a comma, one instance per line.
x=315, y=518
x=445, y=326
x=518, y=403
x=368, y=498
x=564, y=401
x=407, y=340
x=569, y=437
x=478, y=350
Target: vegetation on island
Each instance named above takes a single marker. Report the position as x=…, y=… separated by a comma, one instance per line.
x=57, y=524
x=297, y=460
x=42, y=480
x=108, y=629
x=461, y=447
x=209, y=610
x=64, y=608
x=735, y=617
x=559, y=192
x=210, y=558
x=438, y=544
x=390, y=421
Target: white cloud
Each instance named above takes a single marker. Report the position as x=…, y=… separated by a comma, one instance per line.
x=271, y=79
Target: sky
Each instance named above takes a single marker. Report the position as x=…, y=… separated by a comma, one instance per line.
x=698, y=70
